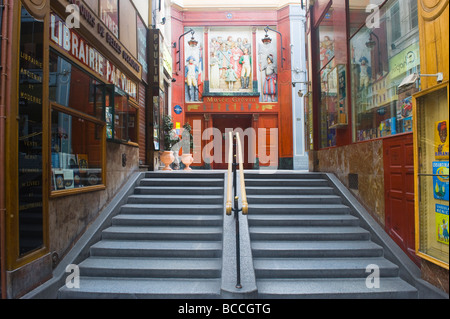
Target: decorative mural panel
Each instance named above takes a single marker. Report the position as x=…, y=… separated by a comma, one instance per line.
x=231, y=63
x=194, y=65
x=230, y=60
x=267, y=66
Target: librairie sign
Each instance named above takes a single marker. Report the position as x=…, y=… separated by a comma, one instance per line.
x=107, y=34
x=76, y=46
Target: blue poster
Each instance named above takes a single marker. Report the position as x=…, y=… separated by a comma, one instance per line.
x=440, y=180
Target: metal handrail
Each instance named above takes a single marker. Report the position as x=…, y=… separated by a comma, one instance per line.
x=229, y=205
x=235, y=149
x=241, y=176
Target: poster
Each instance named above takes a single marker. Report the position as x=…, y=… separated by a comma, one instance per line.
x=440, y=180
x=441, y=140
x=442, y=223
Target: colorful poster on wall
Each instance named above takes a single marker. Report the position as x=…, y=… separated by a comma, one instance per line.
x=441, y=180
x=442, y=223
x=441, y=140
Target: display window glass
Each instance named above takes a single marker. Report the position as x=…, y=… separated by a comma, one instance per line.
x=332, y=74
x=432, y=151
x=72, y=87
x=77, y=127
x=77, y=157
x=121, y=116
x=381, y=58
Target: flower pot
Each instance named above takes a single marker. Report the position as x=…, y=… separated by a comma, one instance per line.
x=167, y=158
x=187, y=160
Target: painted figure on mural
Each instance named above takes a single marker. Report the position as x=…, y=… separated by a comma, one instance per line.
x=246, y=63
x=231, y=77
x=191, y=76
x=214, y=76
x=236, y=54
x=270, y=82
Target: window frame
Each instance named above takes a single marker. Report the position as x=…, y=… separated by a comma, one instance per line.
x=75, y=113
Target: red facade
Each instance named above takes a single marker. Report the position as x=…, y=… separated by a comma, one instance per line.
x=241, y=104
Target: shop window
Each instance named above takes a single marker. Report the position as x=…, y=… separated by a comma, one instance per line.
x=77, y=157
x=432, y=178
x=333, y=74
x=380, y=60
x=71, y=87
x=121, y=116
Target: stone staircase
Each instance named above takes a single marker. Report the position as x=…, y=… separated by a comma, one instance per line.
x=166, y=242
x=306, y=244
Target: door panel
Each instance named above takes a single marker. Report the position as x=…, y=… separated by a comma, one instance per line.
x=399, y=192
x=230, y=122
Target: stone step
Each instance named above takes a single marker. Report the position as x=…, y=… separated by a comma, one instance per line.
x=263, y=190
x=198, y=182
x=185, y=174
x=143, y=288
x=302, y=220
x=151, y=267
x=177, y=199
x=322, y=267
x=162, y=248
x=171, y=209
x=293, y=199
x=176, y=190
x=167, y=220
x=275, y=209
x=315, y=249
x=286, y=182
x=309, y=233
x=282, y=175
x=162, y=233
x=335, y=288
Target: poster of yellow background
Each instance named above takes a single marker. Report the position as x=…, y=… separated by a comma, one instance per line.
x=441, y=140
x=442, y=223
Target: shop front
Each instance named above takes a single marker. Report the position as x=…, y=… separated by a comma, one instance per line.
x=365, y=63
x=76, y=139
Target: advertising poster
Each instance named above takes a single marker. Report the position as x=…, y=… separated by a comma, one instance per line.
x=440, y=180
x=442, y=223
x=441, y=140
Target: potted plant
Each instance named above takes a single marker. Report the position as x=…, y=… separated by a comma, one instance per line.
x=170, y=139
x=187, y=158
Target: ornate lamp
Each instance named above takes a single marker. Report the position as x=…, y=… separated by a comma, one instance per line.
x=267, y=40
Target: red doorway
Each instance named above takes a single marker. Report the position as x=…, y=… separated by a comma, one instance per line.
x=231, y=122
x=399, y=192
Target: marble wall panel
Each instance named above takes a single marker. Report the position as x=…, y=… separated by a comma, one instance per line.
x=70, y=216
x=364, y=159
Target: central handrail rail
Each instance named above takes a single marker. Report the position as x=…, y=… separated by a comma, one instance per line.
x=235, y=149
x=229, y=205
x=241, y=176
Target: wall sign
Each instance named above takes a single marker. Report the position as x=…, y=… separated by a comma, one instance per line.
x=77, y=47
x=30, y=133
x=102, y=28
x=178, y=109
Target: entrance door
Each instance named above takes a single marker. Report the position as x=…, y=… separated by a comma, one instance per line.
x=231, y=122
x=399, y=192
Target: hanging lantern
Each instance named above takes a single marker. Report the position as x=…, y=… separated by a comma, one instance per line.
x=266, y=39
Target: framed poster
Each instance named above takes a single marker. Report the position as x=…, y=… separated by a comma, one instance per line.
x=441, y=140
